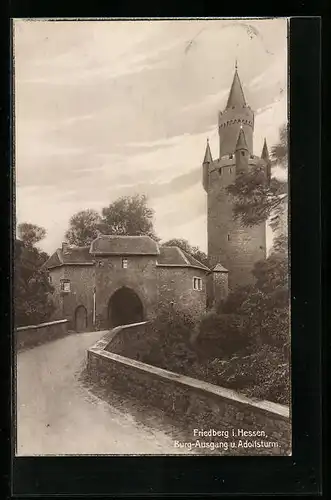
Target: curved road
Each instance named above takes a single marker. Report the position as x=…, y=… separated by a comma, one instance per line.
x=57, y=415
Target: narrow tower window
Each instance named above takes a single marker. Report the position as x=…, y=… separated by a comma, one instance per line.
x=124, y=262
x=220, y=171
x=243, y=153
x=228, y=237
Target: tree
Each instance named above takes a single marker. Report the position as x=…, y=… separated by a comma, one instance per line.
x=192, y=250
x=128, y=216
x=84, y=227
x=32, y=290
x=30, y=234
x=257, y=200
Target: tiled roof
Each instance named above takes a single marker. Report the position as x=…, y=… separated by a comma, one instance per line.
x=236, y=96
x=208, y=157
x=75, y=255
x=174, y=256
x=194, y=262
x=72, y=255
x=220, y=269
x=53, y=261
x=124, y=245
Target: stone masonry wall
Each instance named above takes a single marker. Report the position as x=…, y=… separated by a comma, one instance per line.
x=236, y=247
x=82, y=283
x=140, y=276
x=175, y=284
x=130, y=341
x=33, y=335
x=195, y=404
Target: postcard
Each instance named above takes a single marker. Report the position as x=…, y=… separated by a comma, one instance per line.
x=151, y=284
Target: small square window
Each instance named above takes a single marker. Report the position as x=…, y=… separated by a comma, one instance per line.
x=65, y=286
x=197, y=284
x=230, y=157
x=124, y=263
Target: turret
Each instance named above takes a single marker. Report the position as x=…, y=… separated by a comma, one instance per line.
x=242, y=153
x=265, y=157
x=205, y=166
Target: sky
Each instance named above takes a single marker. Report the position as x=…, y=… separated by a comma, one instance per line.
x=105, y=109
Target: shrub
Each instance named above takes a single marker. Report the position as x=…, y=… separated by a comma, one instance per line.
x=220, y=335
x=263, y=374
x=170, y=347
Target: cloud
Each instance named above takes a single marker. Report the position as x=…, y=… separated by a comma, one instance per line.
x=109, y=109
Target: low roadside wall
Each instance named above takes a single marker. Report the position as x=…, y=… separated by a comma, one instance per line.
x=196, y=404
x=33, y=335
x=129, y=340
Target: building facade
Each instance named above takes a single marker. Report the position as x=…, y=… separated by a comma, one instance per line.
x=230, y=243
x=124, y=279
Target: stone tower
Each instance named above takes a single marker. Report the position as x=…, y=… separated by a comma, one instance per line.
x=231, y=244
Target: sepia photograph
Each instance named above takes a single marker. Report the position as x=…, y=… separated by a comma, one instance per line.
x=151, y=245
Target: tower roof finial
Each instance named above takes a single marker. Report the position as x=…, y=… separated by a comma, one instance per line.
x=236, y=64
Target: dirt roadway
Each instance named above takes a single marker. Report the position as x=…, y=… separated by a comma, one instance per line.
x=58, y=415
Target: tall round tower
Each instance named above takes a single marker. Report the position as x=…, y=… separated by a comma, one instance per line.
x=231, y=244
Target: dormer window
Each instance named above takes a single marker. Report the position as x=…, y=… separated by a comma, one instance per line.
x=124, y=263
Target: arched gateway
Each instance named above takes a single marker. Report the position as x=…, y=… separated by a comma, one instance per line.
x=124, y=307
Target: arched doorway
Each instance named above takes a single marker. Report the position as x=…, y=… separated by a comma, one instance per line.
x=81, y=319
x=125, y=307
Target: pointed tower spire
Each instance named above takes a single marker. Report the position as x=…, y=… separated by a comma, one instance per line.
x=208, y=158
x=265, y=152
x=265, y=156
x=241, y=142
x=236, y=96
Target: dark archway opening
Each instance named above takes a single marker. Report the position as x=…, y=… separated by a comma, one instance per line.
x=125, y=307
x=81, y=319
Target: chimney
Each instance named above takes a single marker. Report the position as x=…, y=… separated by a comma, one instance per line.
x=65, y=246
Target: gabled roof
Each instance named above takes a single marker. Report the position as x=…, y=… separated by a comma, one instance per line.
x=176, y=257
x=124, y=245
x=208, y=158
x=236, y=96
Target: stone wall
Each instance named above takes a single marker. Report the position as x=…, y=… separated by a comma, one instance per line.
x=82, y=280
x=195, y=404
x=129, y=340
x=175, y=285
x=236, y=247
x=140, y=276
x=33, y=335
